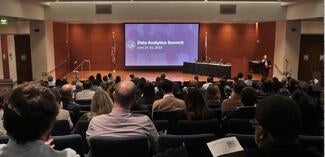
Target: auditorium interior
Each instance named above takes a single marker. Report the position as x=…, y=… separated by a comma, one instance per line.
x=275, y=47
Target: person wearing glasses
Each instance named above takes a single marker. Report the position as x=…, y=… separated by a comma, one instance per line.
x=277, y=126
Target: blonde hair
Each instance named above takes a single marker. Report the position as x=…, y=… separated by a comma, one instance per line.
x=101, y=103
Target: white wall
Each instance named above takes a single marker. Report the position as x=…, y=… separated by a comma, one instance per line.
x=287, y=47
x=169, y=12
x=18, y=27
x=12, y=57
x=312, y=27
x=21, y=9
x=306, y=9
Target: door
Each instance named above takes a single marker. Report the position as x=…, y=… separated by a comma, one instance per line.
x=23, y=58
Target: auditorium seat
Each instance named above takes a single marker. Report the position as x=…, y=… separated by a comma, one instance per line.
x=73, y=141
x=188, y=127
x=161, y=126
x=240, y=126
x=61, y=127
x=81, y=129
x=314, y=142
x=246, y=141
x=102, y=146
x=83, y=102
x=144, y=112
x=195, y=144
x=172, y=116
x=216, y=113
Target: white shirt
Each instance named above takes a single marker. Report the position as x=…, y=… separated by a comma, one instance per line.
x=33, y=149
x=85, y=94
x=206, y=85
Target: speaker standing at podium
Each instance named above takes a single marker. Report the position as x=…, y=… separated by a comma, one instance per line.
x=266, y=65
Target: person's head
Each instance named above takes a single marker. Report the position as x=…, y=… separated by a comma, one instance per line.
x=109, y=75
x=66, y=92
x=249, y=76
x=195, y=103
x=125, y=94
x=91, y=78
x=117, y=79
x=166, y=86
x=132, y=76
x=240, y=75
x=248, y=96
x=96, y=82
x=105, y=78
x=196, y=77
x=50, y=78
x=278, y=118
x=210, y=79
x=30, y=113
x=163, y=76
x=4, y=96
x=64, y=81
x=238, y=87
x=87, y=84
x=284, y=92
x=79, y=86
x=101, y=103
x=212, y=92
x=57, y=96
x=99, y=76
x=58, y=83
x=149, y=91
x=265, y=56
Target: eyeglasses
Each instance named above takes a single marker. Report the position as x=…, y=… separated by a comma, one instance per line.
x=255, y=123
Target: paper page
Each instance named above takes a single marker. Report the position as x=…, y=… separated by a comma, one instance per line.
x=224, y=146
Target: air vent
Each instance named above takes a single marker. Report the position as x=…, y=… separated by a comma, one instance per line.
x=103, y=9
x=228, y=9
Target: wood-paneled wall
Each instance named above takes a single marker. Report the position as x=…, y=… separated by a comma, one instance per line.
x=93, y=41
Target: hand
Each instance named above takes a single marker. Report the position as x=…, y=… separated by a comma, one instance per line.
x=50, y=143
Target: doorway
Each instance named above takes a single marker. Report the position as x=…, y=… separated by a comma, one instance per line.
x=23, y=58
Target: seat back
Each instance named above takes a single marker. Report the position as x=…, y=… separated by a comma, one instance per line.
x=244, y=113
x=315, y=142
x=246, y=141
x=72, y=141
x=240, y=126
x=144, y=112
x=216, y=113
x=188, y=127
x=61, y=127
x=161, y=125
x=102, y=146
x=195, y=144
x=172, y=116
x=81, y=129
x=83, y=102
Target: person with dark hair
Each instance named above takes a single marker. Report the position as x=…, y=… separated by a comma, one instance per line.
x=249, y=81
x=196, y=78
x=50, y=81
x=169, y=102
x=148, y=96
x=86, y=93
x=117, y=79
x=163, y=76
x=277, y=126
x=68, y=104
x=121, y=122
x=28, y=118
x=110, y=76
x=276, y=85
x=284, y=92
x=235, y=99
x=63, y=114
x=91, y=78
x=96, y=85
x=213, y=96
x=99, y=77
x=266, y=65
x=312, y=116
x=240, y=76
x=4, y=96
x=196, y=108
x=208, y=83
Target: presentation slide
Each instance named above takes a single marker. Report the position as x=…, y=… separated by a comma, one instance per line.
x=160, y=44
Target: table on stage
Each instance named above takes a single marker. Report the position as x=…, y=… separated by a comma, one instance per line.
x=208, y=69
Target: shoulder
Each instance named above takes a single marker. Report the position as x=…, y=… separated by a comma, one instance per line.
x=68, y=152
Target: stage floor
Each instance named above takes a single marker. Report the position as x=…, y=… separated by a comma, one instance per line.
x=149, y=75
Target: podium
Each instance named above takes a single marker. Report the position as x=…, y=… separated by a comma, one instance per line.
x=239, y=65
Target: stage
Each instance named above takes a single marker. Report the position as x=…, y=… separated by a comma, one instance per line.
x=148, y=74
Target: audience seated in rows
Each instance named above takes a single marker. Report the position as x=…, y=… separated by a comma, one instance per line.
x=86, y=93
x=235, y=99
x=277, y=126
x=121, y=122
x=101, y=103
x=28, y=118
x=63, y=114
x=169, y=102
x=249, y=81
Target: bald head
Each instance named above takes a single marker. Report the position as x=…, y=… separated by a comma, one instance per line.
x=66, y=92
x=125, y=93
